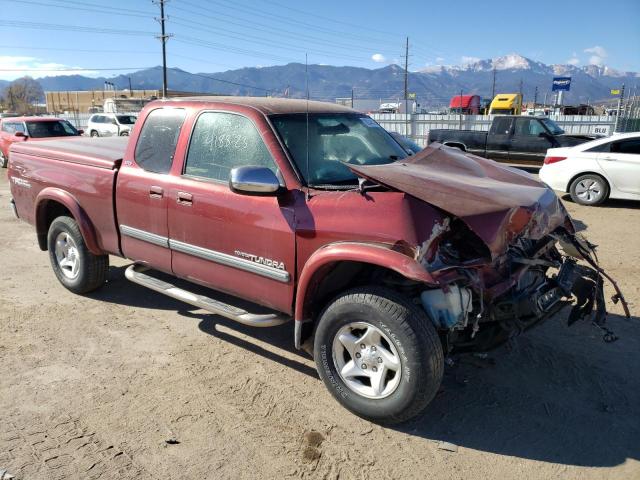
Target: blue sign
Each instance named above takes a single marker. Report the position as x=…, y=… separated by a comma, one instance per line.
x=561, y=83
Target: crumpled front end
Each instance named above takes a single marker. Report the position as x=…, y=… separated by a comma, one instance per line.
x=483, y=301
x=506, y=255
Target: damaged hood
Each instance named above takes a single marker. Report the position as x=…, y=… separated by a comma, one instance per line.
x=497, y=202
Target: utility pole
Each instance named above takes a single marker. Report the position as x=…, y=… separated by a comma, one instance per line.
x=460, y=109
x=406, y=87
x=493, y=87
x=163, y=38
x=535, y=100
x=620, y=98
x=130, y=89
x=351, y=97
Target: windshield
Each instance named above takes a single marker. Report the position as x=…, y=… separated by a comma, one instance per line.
x=126, y=119
x=552, y=126
x=333, y=139
x=60, y=128
x=501, y=111
x=409, y=145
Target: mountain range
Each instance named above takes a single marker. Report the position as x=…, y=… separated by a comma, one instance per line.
x=433, y=86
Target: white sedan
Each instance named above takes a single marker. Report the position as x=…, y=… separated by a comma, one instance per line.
x=594, y=171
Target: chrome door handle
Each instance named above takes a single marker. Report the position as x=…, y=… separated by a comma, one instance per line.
x=184, y=198
x=156, y=192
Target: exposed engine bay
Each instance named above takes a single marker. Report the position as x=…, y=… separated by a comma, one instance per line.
x=506, y=255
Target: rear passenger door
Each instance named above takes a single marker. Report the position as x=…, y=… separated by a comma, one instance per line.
x=141, y=192
x=498, y=139
x=239, y=244
x=622, y=164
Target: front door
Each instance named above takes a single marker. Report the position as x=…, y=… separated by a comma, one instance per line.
x=239, y=244
x=529, y=142
x=142, y=186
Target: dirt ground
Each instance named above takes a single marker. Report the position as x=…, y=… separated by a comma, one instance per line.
x=128, y=384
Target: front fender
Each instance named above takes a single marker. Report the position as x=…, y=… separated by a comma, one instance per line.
x=374, y=254
x=57, y=195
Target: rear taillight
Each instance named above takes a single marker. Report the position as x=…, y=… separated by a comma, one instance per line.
x=549, y=160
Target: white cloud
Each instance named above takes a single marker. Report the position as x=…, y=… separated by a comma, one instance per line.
x=574, y=60
x=12, y=67
x=465, y=60
x=598, y=55
x=378, y=58
x=439, y=59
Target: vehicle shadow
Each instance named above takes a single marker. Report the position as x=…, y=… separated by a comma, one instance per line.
x=610, y=203
x=556, y=394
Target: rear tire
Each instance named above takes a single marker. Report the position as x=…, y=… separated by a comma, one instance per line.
x=4, y=161
x=76, y=267
x=589, y=189
x=378, y=354
x=94, y=134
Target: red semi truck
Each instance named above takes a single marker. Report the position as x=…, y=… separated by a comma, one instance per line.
x=312, y=213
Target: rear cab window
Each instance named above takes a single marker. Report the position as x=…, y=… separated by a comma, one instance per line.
x=158, y=138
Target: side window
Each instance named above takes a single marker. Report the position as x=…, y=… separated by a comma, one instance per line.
x=527, y=126
x=158, y=138
x=6, y=127
x=222, y=141
x=19, y=127
x=600, y=148
x=501, y=126
x=631, y=146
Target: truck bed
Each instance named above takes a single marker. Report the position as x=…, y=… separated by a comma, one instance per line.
x=76, y=170
x=95, y=152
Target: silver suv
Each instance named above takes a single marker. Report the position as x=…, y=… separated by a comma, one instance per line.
x=110, y=124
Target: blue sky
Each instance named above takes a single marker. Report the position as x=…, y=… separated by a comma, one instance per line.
x=217, y=35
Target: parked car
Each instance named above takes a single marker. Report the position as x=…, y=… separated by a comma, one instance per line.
x=512, y=139
x=311, y=212
x=409, y=145
x=20, y=129
x=597, y=170
x=110, y=124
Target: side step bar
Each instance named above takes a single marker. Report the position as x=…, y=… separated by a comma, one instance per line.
x=136, y=274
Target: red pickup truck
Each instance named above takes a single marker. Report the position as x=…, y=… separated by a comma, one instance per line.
x=311, y=212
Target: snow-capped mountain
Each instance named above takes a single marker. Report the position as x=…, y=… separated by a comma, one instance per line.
x=433, y=86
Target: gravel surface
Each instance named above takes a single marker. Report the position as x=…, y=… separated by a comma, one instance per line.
x=127, y=384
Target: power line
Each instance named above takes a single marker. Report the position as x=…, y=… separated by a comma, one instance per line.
x=244, y=37
x=71, y=69
x=256, y=12
x=73, y=28
x=84, y=8
x=255, y=26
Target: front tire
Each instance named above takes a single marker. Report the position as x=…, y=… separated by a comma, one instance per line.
x=589, y=189
x=378, y=354
x=76, y=268
x=94, y=134
x=4, y=161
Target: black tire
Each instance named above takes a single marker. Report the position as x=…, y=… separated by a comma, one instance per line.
x=94, y=134
x=414, y=338
x=4, y=161
x=596, y=196
x=92, y=269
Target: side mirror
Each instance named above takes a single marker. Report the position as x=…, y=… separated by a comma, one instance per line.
x=543, y=134
x=20, y=135
x=254, y=180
